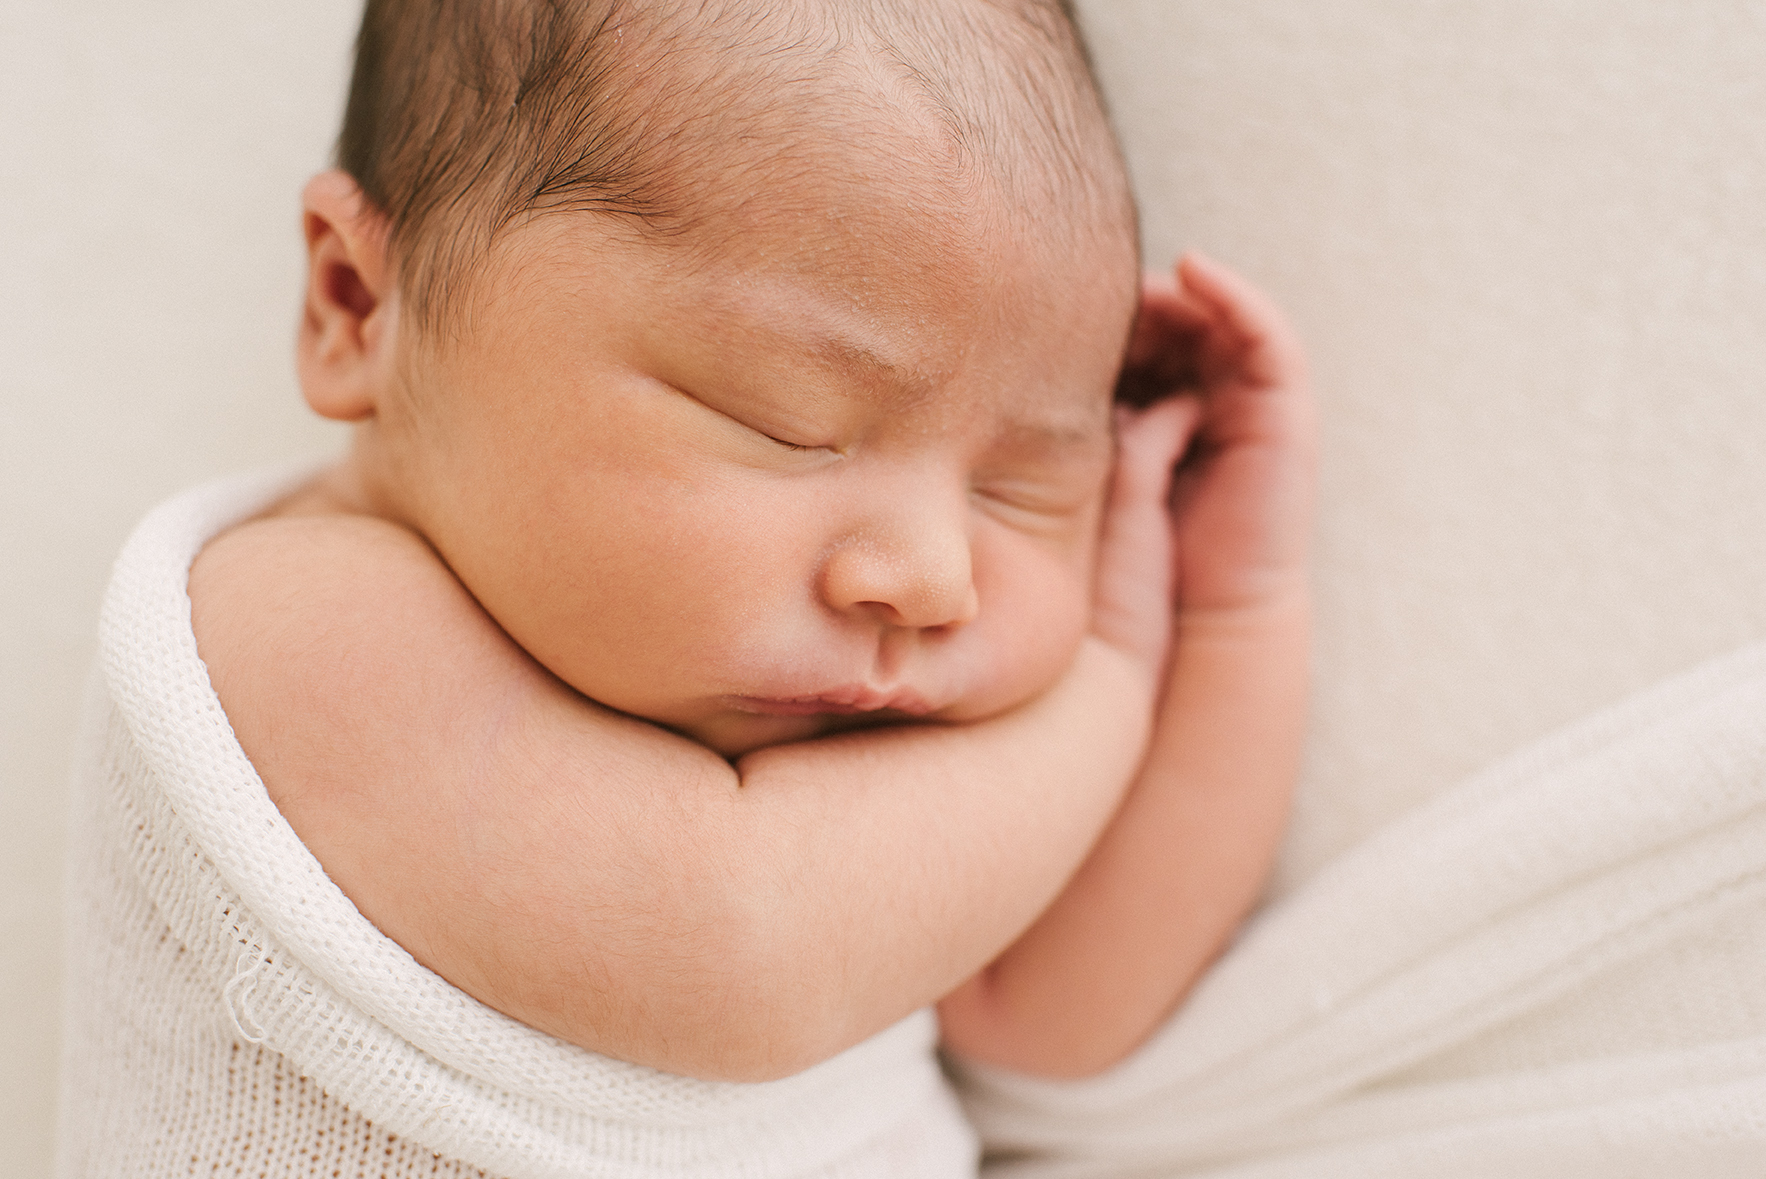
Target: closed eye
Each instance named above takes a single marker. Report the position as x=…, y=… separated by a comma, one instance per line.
x=1048, y=500
x=1034, y=507
x=746, y=426
x=797, y=447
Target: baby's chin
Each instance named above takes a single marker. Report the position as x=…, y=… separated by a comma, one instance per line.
x=735, y=734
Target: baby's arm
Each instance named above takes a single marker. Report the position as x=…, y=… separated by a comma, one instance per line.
x=1185, y=858
x=607, y=881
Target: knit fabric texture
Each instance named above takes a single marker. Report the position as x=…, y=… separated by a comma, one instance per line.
x=1550, y=972
x=229, y=1012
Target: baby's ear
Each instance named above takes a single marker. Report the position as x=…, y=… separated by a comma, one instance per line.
x=349, y=321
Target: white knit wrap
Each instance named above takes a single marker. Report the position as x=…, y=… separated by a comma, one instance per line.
x=231, y=1012
x=1555, y=971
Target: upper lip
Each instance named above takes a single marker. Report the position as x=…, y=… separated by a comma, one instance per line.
x=845, y=700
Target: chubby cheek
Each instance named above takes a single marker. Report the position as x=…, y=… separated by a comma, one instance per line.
x=1036, y=606
x=680, y=590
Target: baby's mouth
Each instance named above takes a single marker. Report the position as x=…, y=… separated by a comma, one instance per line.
x=850, y=700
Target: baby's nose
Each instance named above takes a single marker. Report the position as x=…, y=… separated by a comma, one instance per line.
x=910, y=568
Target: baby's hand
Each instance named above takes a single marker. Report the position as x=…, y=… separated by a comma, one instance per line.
x=1186, y=855
x=1242, y=498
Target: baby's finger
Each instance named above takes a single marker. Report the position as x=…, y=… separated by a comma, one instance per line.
x=1272, y=354
x=1135, y=582
x=1149, y=444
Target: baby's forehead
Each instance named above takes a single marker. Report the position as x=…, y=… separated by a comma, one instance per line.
x=881, y=275
x=871, y=189
x=682, y=114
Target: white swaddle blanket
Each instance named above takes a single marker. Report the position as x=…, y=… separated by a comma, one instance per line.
x=228, y=1007
x=1623, y=846
x=230, y=1012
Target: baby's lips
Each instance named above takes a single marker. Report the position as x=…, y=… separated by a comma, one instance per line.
x=842, y=701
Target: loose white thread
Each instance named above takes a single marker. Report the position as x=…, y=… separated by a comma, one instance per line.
x=239, y=990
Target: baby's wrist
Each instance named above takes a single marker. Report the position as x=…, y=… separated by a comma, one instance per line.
x=1271, y=631
x=1273, y=597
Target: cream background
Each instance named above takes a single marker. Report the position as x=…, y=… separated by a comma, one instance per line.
x=150, y=163
x=1525, y=241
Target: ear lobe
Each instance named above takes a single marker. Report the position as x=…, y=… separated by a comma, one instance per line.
x=348, y=323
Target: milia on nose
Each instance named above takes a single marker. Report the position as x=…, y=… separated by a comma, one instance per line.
x=913, y=570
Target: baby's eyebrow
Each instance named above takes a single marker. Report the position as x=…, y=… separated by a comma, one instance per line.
x=854, y=355
x=895, y=381
x=1032, y=430
x=1035, y=424
x=1067, y=434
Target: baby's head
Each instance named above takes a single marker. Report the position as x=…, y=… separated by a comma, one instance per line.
x=750, y=364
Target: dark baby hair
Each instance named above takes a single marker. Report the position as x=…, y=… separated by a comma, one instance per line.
x=466, y=115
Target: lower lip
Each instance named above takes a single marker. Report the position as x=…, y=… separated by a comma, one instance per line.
x=817, y=706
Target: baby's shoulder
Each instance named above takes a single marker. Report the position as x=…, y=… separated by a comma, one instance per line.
x=323, y=574
x=318, y=628
x=290, y=565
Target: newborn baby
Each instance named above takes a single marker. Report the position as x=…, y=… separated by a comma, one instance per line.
x=757, y=602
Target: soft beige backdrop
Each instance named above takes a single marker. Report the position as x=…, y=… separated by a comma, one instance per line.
x=151, y=156
x=1525, y=240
